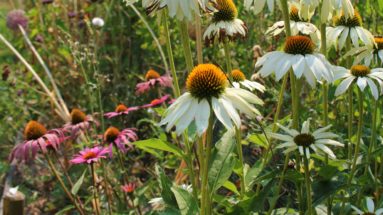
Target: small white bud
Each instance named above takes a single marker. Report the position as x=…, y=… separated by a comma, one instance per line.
x=98, y=22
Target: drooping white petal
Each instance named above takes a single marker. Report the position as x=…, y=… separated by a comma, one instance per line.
x=362, y=83
x=202, y=117
x=221, y=113
x=321, y=130
x=344, y=85
x=291, y=132
x=306, y=127
x=329, y=142
x=374, y=89
x=370, y=205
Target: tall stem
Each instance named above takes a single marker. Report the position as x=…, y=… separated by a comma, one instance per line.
x=97, y=209
x=205, y=193
x=227, y=57
x=350, y=103
x=176, y=86
x=198, y=30
x=107, y=191
x=238, y=136
x=186, y=44
x=308, y=185
x=189, y=161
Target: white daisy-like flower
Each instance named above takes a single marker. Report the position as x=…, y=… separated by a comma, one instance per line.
x=362, y=75
x=348, y=27
x=225, y=24
x=208, y=94
x=180, y=9
x=299, y=55
x=157, y=204
x=370, y=208
x=298, y=26
x=258, y=5
x=98, y=22
x=371, y=53
x=328, y=7
x=239, y=79
x=305, y=140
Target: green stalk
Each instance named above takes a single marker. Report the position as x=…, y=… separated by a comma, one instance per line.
x=373, y=134
x=183, y=25
x=189, y=161
x=308, y=185
x=108, y=197
x=177, y=91
x=97, y=209
x=350, y=103
x=238, y=136
x=227, y=57
x=205, y=193
x=198, y=30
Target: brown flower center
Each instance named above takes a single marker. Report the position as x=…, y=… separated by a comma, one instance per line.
x=360, y=70
x=34, y=130
x=237, y=75
x=206, y=81
x=151, y=74
x=354, y=21
x=111, y=134
x=304, y=139
x=121, y=108
x=294, y=14
x=379, y=42
x=226, y=11
x=299, y=45
x=77, y=116
x=89, y=155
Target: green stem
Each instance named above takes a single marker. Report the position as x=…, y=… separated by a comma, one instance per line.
x=176, y=86
x=308, y=185
x=186, y=45
x=107, y=191
x=373, y=135
x=189, y=161
x=238, y=136
x=198, y=30
x=205, y=195
x=350, y=103
x=227, y=57
x=97, y=209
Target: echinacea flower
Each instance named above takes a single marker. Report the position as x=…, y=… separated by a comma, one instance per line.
x=121, y=109
x=37, y=138
x=371, y=53
x=305, y=140
x=90, y=155
x=128, y=188
x=300, y=56
x=157, y=204
x=98, y=22
x=328, y=8
x=370, y=206
x=298, y=26
x=208, y=94
x=79, y=122
x=16, y=18
x=239, y=79
x=225, y=24
x=258, y=5
x=153, y=79
x=181, y=9
x=362, y=76
x=156, y=102
x=120, y=139
x=348, y=27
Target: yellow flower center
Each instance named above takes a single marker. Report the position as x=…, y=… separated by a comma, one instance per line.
x=151, y=74
x=294, y=14
x=226, y=11
x=34, y=130
x=360, y=70
x=237, y=75
x=379, y=42
x=350, y=22
x=77, y=116
x=121, y=108
x=111, y=134
x=206, y=81
x=89, y=155
x=304, y=140
x=299, y=45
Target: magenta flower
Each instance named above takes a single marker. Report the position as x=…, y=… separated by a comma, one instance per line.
x=120, y=139
x=128, y=188
x=36, y=138
x=120, y=110
x=16, y=18
x=90, y=155
x=79, y=122
x=152, y=80
x=156, y=102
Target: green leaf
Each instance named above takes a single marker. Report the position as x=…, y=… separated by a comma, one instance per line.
x=151, y=145
x=258, y=139
x=222, y=161
x=252, y=174
x=230, y=186
x=165, y=185
x=65, y=210
x=186, y=203
x=77, y=185
x=323, y=189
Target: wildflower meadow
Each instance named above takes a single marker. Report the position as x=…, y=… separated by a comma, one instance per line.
x=191, y=107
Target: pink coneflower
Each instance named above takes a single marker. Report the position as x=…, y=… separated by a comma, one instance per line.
x=90, y=155
x=128, y=188
x=16, y=18
x=120, y=110
x=156, y=102
x=120, y=139
x=36, y=137
x=79, y=122
x=152, y=78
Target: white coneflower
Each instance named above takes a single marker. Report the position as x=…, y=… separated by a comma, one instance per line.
x=258, y=5
x=225, y=24
x=298, y=25
x=362, y=75
x=98, y=22
x=208, y=94
x=370, y=206
x=305, y=140
x=239, y=79
x=348, y=27
x=328, y=7
x=299, y=56
x=180, y=9
x=371, y=53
